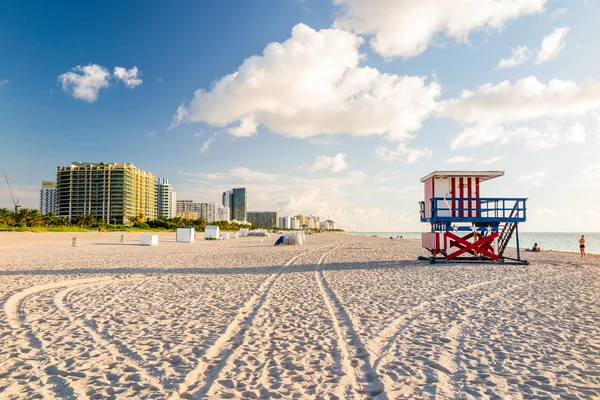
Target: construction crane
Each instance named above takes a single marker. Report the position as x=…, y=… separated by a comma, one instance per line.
x=12, y=195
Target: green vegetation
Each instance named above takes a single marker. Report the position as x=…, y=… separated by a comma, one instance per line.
x=31, y=220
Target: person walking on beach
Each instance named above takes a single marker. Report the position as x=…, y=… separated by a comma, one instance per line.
x=582, y=246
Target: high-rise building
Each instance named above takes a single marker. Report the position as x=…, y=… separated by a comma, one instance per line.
x=187, y=214
x=262, y=218
x=109, y=191
x=227, y=202
x=295, y=223
x=205, y=210
x=301, y=219
x=331, y=224
x=165, y=198
x=284, y=222
x=48, y=197
x=239, y=204
x=223, y=213
x=237, y=201
x=312, y=222
x=174, y=203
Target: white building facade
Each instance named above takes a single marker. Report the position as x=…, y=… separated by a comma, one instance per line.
x=284, y=222
x=206, y=210
x=294, y=223
x=48, y=197
x=165, y=199
x=223, y=213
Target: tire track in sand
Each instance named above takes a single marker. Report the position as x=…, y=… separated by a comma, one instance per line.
x=360, y=378
x=117, y=351
x=217, y=355
x=446, y=365
x=59, y=387
x=382, y=342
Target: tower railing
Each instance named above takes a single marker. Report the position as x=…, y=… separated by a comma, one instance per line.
x=469, y=209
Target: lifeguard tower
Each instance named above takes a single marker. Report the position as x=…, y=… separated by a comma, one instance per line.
x=465, y=226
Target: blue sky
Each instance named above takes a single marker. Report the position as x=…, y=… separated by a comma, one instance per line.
x=337, y=108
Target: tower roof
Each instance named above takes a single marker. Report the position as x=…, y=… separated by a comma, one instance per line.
x=482, y=175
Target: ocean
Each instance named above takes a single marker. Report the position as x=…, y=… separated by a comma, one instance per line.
x=567, y=241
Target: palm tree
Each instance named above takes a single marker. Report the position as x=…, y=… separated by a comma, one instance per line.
x=51, y=219
x=63, y=221
x=28, y=217
x=34, y=217
x=6, y=217
x=135, y=219
x=85, y=220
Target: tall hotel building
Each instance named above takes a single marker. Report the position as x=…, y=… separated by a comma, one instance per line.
x=262, y=218
x=237, y=201
x=165, y=199
x=206, y=210
x=48, y=197
x=110, y=192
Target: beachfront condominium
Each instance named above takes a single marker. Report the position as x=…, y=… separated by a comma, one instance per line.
x=165, y=199
x=262, y=218
x=227, y=202
x=111, y=192
x=237, y=201
x=295, y=223
x=48, y=197
x=206, y=210
x=223, y=214
x=240, y=204
x=284, y=222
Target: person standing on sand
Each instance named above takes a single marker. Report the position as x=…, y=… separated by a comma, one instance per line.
x=582, y=246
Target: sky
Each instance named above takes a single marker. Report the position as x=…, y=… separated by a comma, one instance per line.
x=332, y=108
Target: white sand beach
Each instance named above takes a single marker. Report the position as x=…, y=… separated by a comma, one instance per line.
x=342, y=317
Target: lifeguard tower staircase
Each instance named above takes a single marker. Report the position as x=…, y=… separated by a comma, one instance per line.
x=464, y=226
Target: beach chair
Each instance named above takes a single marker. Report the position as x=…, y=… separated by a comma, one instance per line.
x=279, y=241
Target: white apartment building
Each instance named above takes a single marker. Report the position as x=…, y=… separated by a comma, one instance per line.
x=284, y=222
x=205, y=210
x=294, y=223
x=223, y=213
x=165, y=198
x=48, y=197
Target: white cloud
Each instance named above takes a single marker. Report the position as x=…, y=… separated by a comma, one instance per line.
x=459, y=160
x=402, y=151
x=527, y=99
x=151, y=133
x=129, y=77
x=519, y=55
x=323, y=141
x=85, y=82
x=199, y=133
x=552, y=45
x=558, y=12
x=4, y=82
x=591, y=172
x=492, y=160
x=535, y=178
x=530, y=138
x=493, y=112
x=405, y=28
x=207, y=143
x=312, y=84
x=180, y=116
x=336, y=163
x=237, y=173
